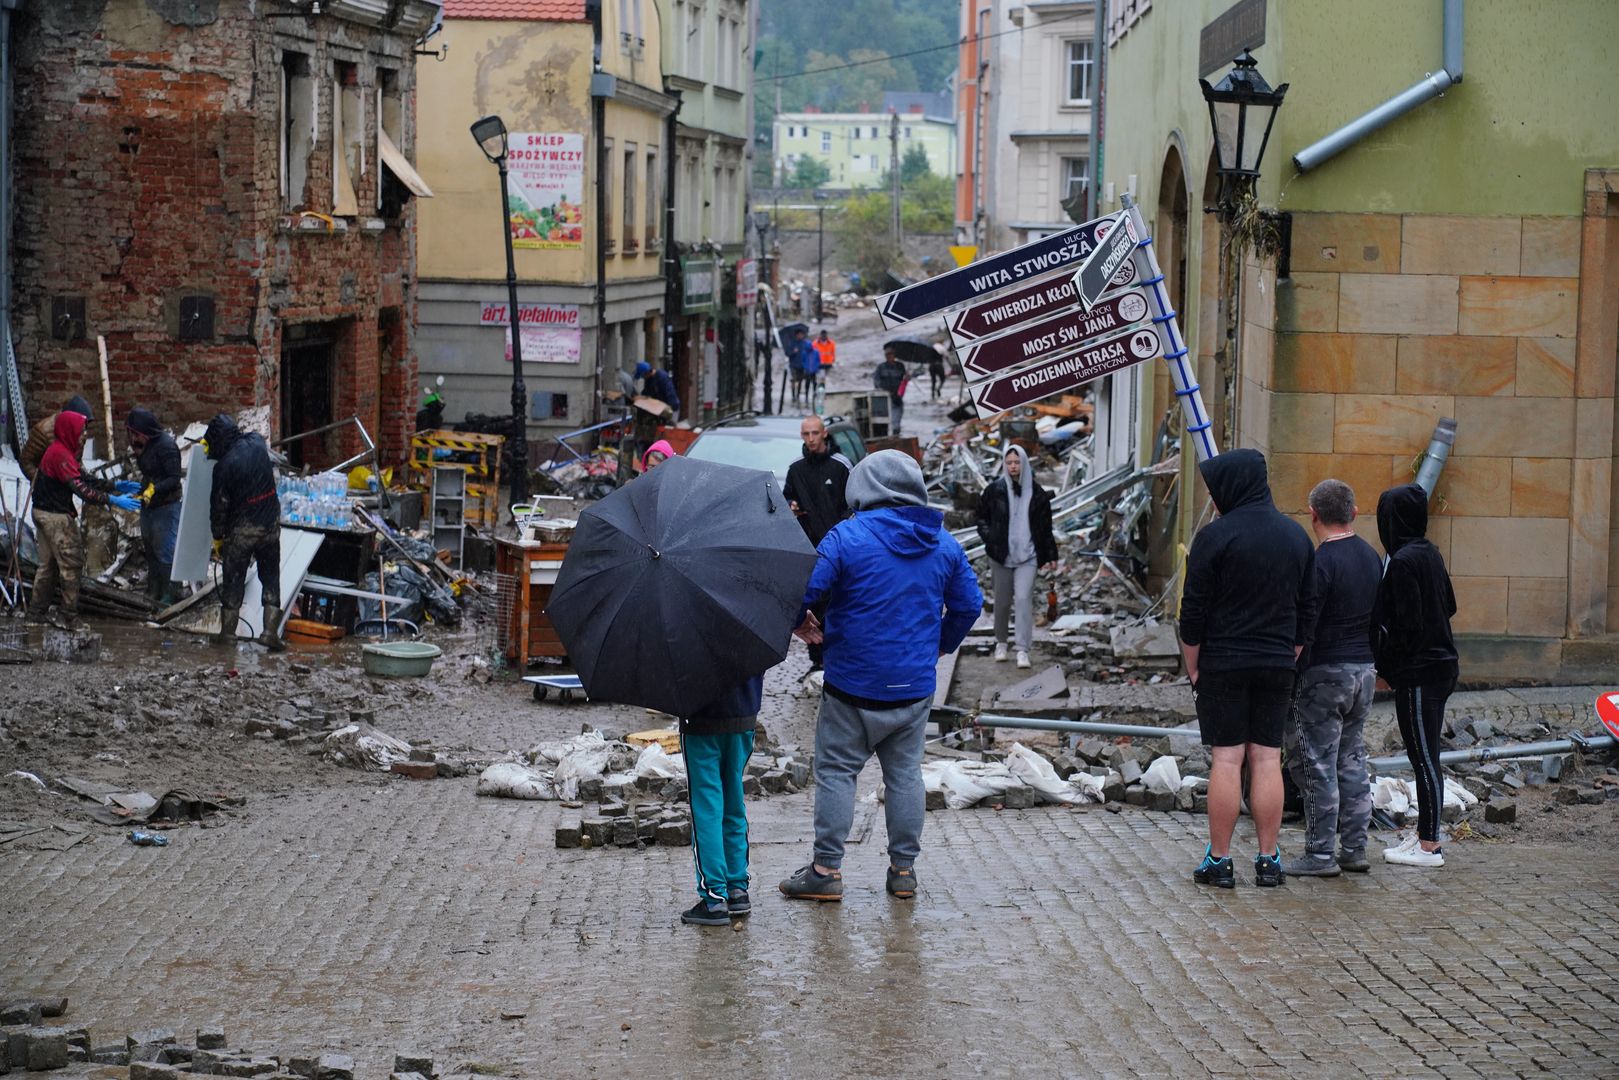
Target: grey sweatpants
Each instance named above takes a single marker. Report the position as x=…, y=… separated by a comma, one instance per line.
x=1014, y=590
x=845, y=739
x=1326, y=755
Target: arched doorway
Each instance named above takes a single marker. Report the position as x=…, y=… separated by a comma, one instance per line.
x=1170, y=231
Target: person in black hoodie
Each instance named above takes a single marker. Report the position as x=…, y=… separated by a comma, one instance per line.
x=1247, y=579
x=1415, y=655
x=158, y=458
x=244, y=514
x=815, y=489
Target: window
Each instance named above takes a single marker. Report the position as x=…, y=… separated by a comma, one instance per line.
x=629, y=198
x=874, y=163
x=1076, y=176
x=694, y=40
x=728, y=225
x=390, y=123
x=826, y=142
x=348, y=139
x=907, y=134
x=874, y=134
x=298, y=118
x=609, y=234
x=1080, y=57
x=654, y=198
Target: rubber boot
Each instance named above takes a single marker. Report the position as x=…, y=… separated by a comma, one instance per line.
x=158, y=584
x=228, y=618
x=271, y=638
x=38, y=606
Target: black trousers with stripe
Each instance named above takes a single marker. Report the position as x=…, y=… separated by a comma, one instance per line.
x=1421, y=713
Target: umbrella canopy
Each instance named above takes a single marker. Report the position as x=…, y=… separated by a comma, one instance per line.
x=785, y=334
x=681, y=585
x=912, y=350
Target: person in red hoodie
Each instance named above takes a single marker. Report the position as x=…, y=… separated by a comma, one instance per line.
x=56, y=520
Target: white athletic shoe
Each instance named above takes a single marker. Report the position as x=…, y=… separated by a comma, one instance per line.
x=1022, y=659
x=1000, y=653
x=1414, y=856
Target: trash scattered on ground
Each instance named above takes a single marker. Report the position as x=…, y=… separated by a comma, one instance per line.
x=141, y=838
x=361, y=746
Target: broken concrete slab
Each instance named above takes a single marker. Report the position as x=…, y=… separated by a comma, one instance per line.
x=1046, y=685
x=1152, y=640
x=1500, y=811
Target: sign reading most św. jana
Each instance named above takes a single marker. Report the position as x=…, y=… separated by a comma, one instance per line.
x=1060, y=333
x=1064, y=372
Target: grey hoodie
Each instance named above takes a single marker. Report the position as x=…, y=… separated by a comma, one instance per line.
x=886, y=478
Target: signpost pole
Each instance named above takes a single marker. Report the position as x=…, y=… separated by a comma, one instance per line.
x=1198, y=425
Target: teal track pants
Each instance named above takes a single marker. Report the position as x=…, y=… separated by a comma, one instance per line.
x=715, y=767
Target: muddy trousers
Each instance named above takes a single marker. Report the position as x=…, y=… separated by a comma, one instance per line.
x=61, y=561
x=716, y=765
x=1014, y=591
x=846, y=737
x=1326, y=755
x=1421, y=712
x=248, y=544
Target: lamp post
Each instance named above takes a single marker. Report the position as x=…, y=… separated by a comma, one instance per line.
x=490, y=133
x=1242, y=108
x=761, y=222
x=820, y=254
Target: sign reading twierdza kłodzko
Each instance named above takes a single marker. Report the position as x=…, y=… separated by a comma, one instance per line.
x=1041, y=338
x=1060, y=373
x=1015, y=267
x=1036, y=300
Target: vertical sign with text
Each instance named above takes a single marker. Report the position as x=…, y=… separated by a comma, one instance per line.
x=545, y=206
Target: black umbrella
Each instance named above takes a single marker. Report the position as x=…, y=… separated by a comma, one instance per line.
x=785, y=335
x=912, y=350
x=681, y=585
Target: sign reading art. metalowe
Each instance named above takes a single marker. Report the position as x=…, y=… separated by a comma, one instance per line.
x=551, y=332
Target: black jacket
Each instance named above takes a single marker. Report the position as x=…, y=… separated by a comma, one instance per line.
x=1411, y=637
x=889, y=376
x=816, y=483
x=1248, y=573
x=994, y=522
x=734, y=711
x=1339, y=609
x=159, y=460
x=244, y=480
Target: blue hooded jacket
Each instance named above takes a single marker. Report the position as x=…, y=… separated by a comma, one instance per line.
x=900, y=593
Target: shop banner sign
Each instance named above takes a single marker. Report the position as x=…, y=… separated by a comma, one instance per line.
x=546, y=202
x=551, y=333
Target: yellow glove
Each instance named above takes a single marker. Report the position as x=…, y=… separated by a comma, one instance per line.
x=146, y=495
x=217, y=545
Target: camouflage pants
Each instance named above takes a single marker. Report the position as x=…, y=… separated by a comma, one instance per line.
x=247, y=544
x=61, y=561
x=1326, y=755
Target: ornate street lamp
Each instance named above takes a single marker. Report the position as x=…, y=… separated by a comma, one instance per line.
x=1242, y=108
x=490, y=132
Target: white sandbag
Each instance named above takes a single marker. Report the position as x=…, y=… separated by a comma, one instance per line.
x=1037, y=773
x=361, y=746
x=586, y=743
x=654, y=762
x=1163, y=776
x=1393, y=795
x=967, y=782
x=509, y=780
x=1456, y=795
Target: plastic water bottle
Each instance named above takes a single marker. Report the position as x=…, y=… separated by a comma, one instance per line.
x=142, y=838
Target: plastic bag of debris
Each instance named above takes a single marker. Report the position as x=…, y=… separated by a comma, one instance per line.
x=1037, y=773
x=655, y=762
x=1397, y=795
x=1163, y=776
x=361, y=746
x=965, y=783
x=509, y=780
x=585, y=759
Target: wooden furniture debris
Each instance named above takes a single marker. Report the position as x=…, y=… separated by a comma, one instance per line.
x=476, y=455
x=532, y=570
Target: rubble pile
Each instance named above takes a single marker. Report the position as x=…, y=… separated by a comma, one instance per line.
x=1079, y=770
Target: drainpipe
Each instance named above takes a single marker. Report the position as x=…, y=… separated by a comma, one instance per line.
x=1429, y=87
x=602, y=87
x=1433, y=462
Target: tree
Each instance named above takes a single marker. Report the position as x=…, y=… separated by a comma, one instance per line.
x=810, y=172
x=914, y=165
x=864, y=236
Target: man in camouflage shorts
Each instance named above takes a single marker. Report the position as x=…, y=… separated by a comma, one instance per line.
x=1324, y=739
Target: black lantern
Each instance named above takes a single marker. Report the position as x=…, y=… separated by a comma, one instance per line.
x=1242, y=108
x=491, y=135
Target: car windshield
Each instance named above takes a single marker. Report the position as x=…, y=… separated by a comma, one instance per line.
x=750, y=449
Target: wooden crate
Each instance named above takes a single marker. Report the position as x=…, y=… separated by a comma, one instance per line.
x=533, y=568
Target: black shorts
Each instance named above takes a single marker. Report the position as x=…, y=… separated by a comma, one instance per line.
x=1245, y=706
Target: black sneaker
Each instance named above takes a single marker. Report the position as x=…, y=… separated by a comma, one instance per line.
x=707, y=913
x=740, y=904
x=806, y=884
x=1354, y=862
x=1268, y=870
x=1217, y=872
x=901, y=883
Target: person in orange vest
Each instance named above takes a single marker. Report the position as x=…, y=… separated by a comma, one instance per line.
x=828, y=350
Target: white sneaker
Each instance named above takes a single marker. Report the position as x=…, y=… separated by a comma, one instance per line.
x=1023, y=659
x=1000, y=653
x=1409, y=840
x=1414, y=856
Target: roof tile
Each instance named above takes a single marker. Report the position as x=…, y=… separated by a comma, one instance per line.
x=548, y=10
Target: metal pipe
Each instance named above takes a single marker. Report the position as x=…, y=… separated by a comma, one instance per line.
x=1429, y=87
x=1433, y=463
x=1086, y=727
x=1397, y=763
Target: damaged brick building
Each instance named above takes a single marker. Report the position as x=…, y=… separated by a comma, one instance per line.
x=222, y=190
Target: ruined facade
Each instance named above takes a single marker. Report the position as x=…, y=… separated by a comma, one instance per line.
x=206, y=184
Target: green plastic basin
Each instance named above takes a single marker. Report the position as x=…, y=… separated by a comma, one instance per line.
x=399, y=659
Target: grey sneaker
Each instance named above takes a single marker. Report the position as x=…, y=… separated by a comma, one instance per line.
x=1354, y=862
x=806, y=884
x=902, y=883
x=1310, y=866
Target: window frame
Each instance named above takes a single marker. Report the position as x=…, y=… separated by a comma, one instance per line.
x=1071, y=65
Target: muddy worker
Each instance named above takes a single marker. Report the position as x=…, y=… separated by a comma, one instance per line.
x=56, y=521
x=1014, y=522
x=244, y=515
x=815, y=489
x=889, y=377
x=158, y=458
x=43, y=433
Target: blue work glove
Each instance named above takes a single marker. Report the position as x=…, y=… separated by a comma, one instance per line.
x=124, y=502
x=126, y=487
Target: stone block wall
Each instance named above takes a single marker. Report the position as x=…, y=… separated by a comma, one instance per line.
x=1390, y=322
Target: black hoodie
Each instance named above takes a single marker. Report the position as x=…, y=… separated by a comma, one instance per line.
x=1247, y=574
x=1411, y=637
x=159, y=459
x=816, y=482
x=244, y=480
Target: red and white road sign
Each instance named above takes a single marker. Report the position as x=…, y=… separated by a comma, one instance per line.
x=1046, y=337
x=1060, y=373
x=1037, y=300
x=1608, y=712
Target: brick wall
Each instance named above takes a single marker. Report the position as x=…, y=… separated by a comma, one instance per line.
x=148, y=168
x=1390, y=322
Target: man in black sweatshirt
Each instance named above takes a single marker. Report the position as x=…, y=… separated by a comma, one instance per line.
x=1326, y=750
x=1415, y=655
x=815, y=488
x=1242, y=629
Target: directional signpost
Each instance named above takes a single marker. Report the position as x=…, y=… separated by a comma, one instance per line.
x=1060, y=333
x=1060, y=373
x=1114, y=250
x=1006, y=310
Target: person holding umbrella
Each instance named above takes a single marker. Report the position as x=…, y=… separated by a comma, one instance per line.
x=717, y=741
x=901, y=594
x=890, y=378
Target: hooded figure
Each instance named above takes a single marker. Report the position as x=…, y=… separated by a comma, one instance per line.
x=158, y=458
x=43, y=432
x=660, y=447
x=900, y=593
x=244, y=515
x=1014, y=522
x=57, y=481
x=658, y=384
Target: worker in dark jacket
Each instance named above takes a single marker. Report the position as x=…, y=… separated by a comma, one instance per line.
x=1014, y=522
x=43, y=433
x=815, y=489
x=245, y=518
x=56, y=521
x=716, y=742
x=1415, y=654
x=890, y=378
x=656, y=383
x=158, y=458
x=1248, y=577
